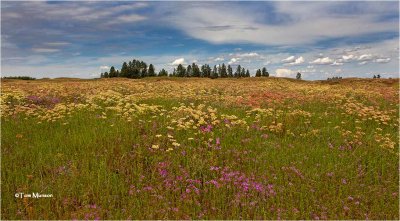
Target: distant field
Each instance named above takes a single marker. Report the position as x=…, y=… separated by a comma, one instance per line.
x=163, y=148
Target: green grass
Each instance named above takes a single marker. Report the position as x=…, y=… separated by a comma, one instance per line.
x=90, y=167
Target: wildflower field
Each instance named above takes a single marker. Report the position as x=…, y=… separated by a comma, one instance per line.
x=167, y=148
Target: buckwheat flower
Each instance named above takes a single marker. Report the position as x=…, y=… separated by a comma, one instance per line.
x=175, y=144
x=158, y=135
x=169, y=149
x=190, y=138
x=154, y=146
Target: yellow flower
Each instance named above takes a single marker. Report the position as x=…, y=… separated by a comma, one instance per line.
x=175, y=144
x=169, y=149
x=154, y=146
x=158, y=135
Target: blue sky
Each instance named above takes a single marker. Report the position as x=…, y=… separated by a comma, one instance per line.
x=319, y=39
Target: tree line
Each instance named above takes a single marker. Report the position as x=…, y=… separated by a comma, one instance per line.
x=139, y=69
x=19, y=77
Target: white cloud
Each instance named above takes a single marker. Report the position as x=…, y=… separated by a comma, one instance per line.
x=362, y=63
x=238, y=24
x=178, y=61
x=104, y=67
x=45, y=50
x=248, y=55
x=336, y=63
x=296, y=61
x=348, y=58
x=233, y=60
x=289, y=59
x=382, y=60
x=323, y=61
x=219, y=59
x=282, y=72
x=365, y=57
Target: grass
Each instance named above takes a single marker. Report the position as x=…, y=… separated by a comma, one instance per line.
x=258, y=149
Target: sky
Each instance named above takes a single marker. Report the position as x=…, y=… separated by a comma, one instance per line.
x=317, y=39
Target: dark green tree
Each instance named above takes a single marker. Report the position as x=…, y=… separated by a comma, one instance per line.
x=258, y=73
x=247, y=73
x=112, y=73
x=230, y=71
x=188, y=71
x=151, y=71
x=205, y=71
x=224, y=73
x=195, y=70
x=298, y=76
x=180, y=71
x=163, y=73
x=238, y=71
x=243, y=73
x=378, y=76
x=214, y=73
x=264, y=72
x=124, y=70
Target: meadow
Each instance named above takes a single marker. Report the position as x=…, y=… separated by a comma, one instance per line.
x=167, y=148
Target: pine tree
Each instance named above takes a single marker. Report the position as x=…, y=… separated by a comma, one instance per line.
x=124, y=70
x=247, y=73
x=112, y=73
x=106, y=75
x=258, y=73
x=238, y=70
x=102, y=75
x=298, y=76
x=143, y=69
x=224, y=74
x=151, y=71
x=206, y=71
x=188, y=71
x=195, y=70
x=163, y=73
x=264, y=72
x=180, y=71
x=214, y=73
x=378, y=76
x=243, y=73
x=230, y=71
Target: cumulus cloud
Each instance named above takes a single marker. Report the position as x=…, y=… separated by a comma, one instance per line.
x=365, y=57
x=348, y=58
x=219, y=59
x=282, y=72
x=289, y=59
x=362, y=63
x=296, y=61
x=178, y=61
x=323, y=61
x=233, y=60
